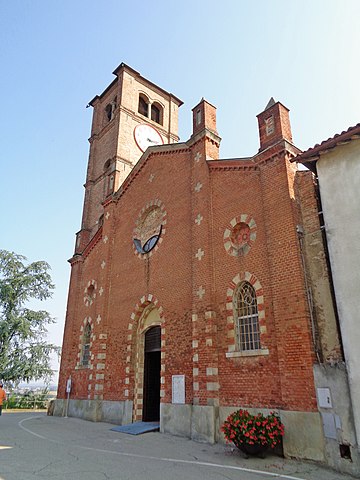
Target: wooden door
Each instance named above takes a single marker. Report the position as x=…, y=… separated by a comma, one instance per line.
x=152, y=363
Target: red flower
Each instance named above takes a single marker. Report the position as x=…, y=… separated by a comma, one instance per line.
x=241, y=427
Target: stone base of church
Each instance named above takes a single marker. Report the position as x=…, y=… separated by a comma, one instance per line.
x=116, y=412
x=303, y=430
x=200, y=423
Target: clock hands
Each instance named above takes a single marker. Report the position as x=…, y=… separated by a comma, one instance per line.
x=147, y=136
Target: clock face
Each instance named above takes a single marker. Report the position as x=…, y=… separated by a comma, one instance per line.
x=147, y=136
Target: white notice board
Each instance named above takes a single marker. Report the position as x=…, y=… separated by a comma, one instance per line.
x=178, y=389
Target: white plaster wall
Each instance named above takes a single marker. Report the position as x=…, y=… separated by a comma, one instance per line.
x=339, y=180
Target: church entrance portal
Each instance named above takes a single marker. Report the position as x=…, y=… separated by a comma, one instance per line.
x=152, y=365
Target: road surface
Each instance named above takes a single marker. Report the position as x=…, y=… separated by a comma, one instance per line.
x=35, y=446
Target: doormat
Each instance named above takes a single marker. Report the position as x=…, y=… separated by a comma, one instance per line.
x=137, y=428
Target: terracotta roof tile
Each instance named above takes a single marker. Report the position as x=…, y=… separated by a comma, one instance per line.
x=312, y=154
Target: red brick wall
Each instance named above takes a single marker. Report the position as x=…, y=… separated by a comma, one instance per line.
x=292, y=324
x=173, y=273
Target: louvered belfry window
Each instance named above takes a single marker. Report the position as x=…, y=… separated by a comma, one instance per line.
x=246, y=318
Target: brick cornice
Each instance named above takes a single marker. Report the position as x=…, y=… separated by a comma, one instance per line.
x=95, y=181
x=232, y=164
x=77, y=258
x=145, y=81
x=283, y=147
x=80, y=257
x=211, y=135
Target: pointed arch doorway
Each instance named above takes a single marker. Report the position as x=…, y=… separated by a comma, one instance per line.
x=152, y=367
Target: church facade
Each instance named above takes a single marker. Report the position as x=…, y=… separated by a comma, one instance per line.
x=193, y=291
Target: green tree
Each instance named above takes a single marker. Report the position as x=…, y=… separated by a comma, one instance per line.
x=24, y=351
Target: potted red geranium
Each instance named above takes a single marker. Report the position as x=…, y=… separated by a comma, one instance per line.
x=253, y=434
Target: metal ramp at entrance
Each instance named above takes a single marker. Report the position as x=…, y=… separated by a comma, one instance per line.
x=138, y=428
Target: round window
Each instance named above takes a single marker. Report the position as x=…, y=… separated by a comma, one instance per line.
x=149, y=228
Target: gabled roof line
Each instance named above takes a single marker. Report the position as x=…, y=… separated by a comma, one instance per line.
x=156, y=149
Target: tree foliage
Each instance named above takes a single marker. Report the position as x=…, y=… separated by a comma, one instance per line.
x=24, y=351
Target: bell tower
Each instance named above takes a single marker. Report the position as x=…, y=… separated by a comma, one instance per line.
x=131, y=114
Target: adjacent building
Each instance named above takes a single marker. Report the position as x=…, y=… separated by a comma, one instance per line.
x=336, y=165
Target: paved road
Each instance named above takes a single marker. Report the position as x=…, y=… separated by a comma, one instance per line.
x=34, y=446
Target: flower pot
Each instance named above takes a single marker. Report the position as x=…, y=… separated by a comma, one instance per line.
x=253, y=434
x=256, y=449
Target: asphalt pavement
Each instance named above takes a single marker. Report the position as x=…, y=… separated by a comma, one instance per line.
x=35, y=446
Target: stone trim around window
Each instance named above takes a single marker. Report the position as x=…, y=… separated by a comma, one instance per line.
x=79, y=364
x=233, y=351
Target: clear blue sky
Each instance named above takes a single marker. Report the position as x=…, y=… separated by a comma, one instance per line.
x=55, y=56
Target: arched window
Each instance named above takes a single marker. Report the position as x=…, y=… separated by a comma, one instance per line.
x=108, y=111
x=107, y=164
x=85, y=357
x=156, y=113
x=143, y=105
x=246, y=318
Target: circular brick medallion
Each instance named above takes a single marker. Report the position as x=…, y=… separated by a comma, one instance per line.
x=240, y=235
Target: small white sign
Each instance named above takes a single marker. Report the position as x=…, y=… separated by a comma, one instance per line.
x=68, y=385
x=324, y=397
x=178, y=389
